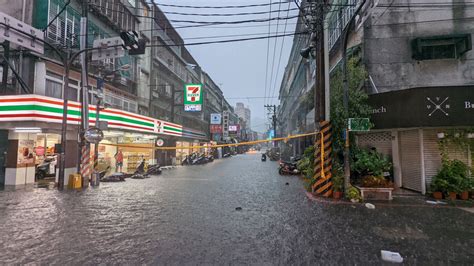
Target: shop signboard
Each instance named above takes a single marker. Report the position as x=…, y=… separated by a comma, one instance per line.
x=233, y=128
x=193, y=97
x=216, y=129
x=160, y=142
x=216, y=119
x=419, y=107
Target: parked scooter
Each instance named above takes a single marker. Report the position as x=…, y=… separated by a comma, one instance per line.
x=116, y=177
x=140, y=172
x=42, y=170
x=154, y=169
x=288, y=168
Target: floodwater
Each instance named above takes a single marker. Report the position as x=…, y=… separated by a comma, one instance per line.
x=188, y=216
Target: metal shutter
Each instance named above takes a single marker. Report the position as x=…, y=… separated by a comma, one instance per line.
x=382, y=141
x=410, y=158
x=432, y=154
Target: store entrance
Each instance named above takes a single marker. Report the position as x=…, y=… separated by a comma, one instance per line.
x=46, y=158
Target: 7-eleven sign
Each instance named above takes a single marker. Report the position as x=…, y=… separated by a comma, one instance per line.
x=193, y=97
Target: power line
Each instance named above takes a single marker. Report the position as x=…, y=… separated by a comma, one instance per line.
x=220, y=7
x=206, y=22
x=268, y=48
x=232, y=40
x=274, y=54
x=279, y=60
x=198, y=14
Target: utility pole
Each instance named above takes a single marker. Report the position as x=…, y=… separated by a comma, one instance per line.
x=84, y=150
x=6, y=54
x=272, y=108
x=62, y=162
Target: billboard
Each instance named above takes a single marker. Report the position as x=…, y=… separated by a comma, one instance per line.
x=193, y=97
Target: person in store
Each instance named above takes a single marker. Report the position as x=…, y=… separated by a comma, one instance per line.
x=119, y=161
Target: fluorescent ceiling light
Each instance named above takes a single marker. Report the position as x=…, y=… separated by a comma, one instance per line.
x=27, y=130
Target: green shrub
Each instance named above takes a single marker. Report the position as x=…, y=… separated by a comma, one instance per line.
x=370, y=163
x=452, y=177
x=353, y=194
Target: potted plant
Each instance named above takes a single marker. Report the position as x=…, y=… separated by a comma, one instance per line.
x=353, y=194
x=439, y=187
x=338, y=186
x=453, y=178
x=466, y=186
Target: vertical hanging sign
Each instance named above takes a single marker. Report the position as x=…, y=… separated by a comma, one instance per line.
x=193, y=97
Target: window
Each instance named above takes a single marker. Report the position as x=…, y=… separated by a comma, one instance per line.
x=53, y=88
x=441, y=47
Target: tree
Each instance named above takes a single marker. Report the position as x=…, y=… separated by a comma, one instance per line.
x=358, y=106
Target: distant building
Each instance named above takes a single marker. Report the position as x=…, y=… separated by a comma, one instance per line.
x=244, y=113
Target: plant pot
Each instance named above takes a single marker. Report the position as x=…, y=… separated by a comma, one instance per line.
x=452, y=195
x=337, y=194
x=465, y=195
x=438, y=195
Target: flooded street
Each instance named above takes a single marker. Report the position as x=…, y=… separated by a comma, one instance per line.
x=188, y=216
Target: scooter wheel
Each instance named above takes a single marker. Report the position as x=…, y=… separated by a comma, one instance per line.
x=280, y=171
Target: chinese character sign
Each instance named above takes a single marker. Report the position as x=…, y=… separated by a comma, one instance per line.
x=193, y=97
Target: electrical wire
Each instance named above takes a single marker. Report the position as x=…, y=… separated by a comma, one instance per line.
x=197, y=14
x=274, y=54
x=268, y=50
x=207, y=22
x=279, y=60
x=218, y=7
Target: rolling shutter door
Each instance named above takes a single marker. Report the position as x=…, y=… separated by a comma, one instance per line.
x=432, y=154
x=410, y=158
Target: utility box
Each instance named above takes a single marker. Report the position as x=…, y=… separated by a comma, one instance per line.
x=75, y=181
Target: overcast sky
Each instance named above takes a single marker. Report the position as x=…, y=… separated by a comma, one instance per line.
x=239, y=68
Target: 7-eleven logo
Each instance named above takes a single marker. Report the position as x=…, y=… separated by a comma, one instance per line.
x=193, y=93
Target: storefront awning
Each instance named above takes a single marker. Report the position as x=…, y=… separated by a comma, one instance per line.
x=37, y=108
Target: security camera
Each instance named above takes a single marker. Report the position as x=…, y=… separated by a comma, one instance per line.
x=305, y=53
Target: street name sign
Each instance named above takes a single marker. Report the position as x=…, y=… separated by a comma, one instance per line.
x=359, y=124
x=107, y=48
x=18, y=32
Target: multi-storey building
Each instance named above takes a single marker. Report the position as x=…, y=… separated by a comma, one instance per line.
x=295, y=113
x=143, y=93
x=417, y=55
x=244, y=113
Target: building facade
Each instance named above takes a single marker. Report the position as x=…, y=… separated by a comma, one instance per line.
x=144, y=93
x=419, y=82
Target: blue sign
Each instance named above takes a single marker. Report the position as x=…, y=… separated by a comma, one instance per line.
x=216, y=119
x=271, y=134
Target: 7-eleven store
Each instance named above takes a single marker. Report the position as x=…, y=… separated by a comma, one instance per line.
x=30, y=127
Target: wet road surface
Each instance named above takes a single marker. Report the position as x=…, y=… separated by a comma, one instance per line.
x=188, y=216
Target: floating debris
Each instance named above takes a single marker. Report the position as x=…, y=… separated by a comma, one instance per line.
x=370, y=206
x=390, y=256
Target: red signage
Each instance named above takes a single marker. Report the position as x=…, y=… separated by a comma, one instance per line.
x=216, y=129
